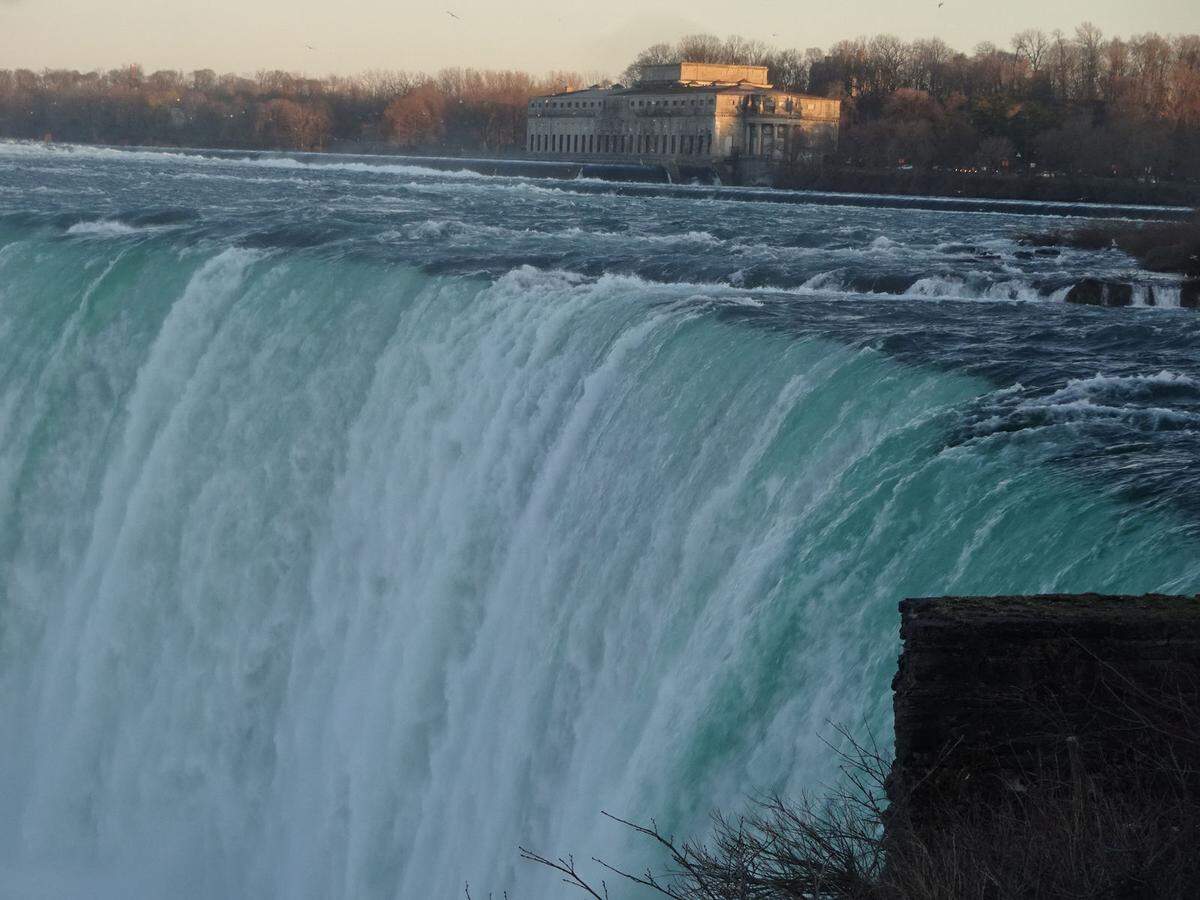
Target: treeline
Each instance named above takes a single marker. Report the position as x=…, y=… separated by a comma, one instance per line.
x=1079, y=104
x=458, y=110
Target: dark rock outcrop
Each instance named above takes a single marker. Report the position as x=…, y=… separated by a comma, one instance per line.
x=991, y=690
x=1094, y=292
x=1189, y=294
x=1158, y=246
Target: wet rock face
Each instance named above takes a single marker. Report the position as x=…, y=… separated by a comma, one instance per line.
x=1094, y=292
x=991, y=689
x=1189, y=294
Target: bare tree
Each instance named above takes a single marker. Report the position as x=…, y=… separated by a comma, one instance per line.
x=1090, y=41
x=1032, y=45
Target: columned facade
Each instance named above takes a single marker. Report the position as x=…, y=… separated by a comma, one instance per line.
x=685, y=113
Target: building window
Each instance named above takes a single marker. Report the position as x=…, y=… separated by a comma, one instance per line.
x=672, y=145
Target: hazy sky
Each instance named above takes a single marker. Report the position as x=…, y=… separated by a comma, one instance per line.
x=598, y=35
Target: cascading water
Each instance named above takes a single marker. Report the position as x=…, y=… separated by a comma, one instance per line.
x=360, y=524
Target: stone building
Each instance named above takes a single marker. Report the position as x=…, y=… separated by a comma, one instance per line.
x=684, y=114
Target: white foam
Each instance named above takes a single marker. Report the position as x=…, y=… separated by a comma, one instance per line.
x=1129, y=385
x=200, y=158
x=104, y=228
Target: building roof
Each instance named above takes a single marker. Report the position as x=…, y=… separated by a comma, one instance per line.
x=704, y=72
x=686, y=77
x=595, y=92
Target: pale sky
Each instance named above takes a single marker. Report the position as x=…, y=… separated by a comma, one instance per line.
x=587, y=35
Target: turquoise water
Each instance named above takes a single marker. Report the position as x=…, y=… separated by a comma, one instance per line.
x=343, y=549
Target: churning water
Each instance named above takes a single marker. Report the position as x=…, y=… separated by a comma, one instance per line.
x=360, y=522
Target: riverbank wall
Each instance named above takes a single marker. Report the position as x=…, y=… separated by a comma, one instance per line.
x=996, y=694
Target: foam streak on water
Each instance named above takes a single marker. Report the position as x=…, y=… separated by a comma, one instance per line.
x=329, y=570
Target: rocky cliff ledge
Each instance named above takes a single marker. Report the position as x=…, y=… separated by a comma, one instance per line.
x=994, y=694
